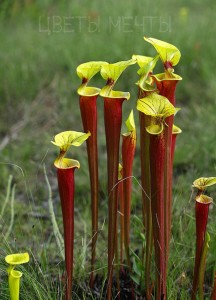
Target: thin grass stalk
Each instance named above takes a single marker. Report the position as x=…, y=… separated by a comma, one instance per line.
x=119, y=242
x=175, y=131
x=146, y=196
x=113, y=121
x=125, y=215
x=121, y=206
x=57, y=234
x=116, y=260
x=88, y=110
x=7, y=197
x=213, y=295
x=12, y=212
x=203, y=266
x=122, y=227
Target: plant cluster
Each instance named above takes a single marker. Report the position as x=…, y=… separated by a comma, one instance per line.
x=156, y=106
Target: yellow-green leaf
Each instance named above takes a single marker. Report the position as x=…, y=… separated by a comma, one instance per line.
x=202, y=265
x=204, y=199
x=17, y=259
x=176, y=129
x=66, y=139
x=66, y=163
x=203, y=182
x=166, y=76
x=113, y=71
x=145, y=81
x=84, y=90
x=15, y=274
x=156, y=106
x=120, y=168
x=177, y=109
x=142, y=60
x=207, y=237
x=155, y=129
x=89, y=69
x=107, y=92
x=147, y=86
x=148, y=66
x=167, y=52
x=130, y=122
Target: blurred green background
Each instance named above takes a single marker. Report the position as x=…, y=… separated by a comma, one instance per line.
x=41, y=44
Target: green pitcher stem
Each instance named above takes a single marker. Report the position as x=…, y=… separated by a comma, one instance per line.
x=14, y=283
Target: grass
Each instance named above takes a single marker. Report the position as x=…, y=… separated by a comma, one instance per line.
x=38, y=99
